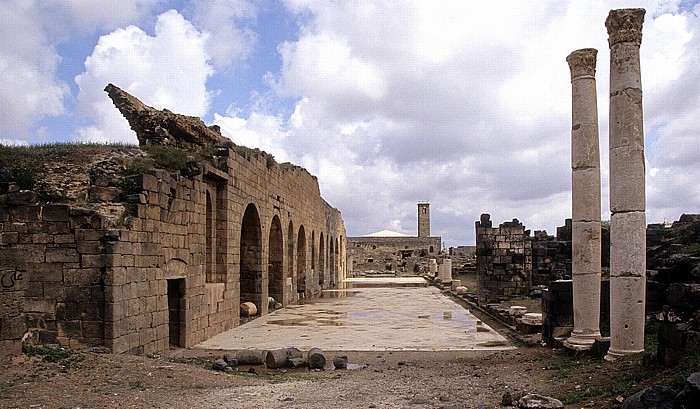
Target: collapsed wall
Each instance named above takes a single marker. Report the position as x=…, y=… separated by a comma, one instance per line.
x=138, y=261
x=510, y=261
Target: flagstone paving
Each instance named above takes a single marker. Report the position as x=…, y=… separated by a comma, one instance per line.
x=372, y=314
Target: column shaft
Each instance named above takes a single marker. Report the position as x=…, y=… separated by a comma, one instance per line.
x=585, y=186
x=627, y=185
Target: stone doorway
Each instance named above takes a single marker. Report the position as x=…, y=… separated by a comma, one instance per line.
x=176, y=300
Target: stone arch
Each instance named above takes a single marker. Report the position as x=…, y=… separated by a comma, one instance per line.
x=251, y=258
x=321, y=260
x=275, y=260
x=301, y=260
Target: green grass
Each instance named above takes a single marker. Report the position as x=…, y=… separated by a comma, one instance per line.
x=66, y=358
x=623, y=377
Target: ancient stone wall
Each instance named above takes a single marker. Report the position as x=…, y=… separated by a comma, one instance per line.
x=510, y=260
x=164, y=257
x=504, y=260
x=52, y=273
x=392, y=253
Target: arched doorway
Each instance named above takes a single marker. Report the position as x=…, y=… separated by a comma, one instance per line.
x=301, y=261
x=321, y=260
x=251, y=258
x=275, y=284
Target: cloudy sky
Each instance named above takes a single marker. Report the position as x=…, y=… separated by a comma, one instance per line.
x=463, y=104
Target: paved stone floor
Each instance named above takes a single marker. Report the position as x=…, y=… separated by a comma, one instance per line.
x=374, y=314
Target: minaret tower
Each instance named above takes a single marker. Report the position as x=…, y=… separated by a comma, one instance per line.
x=423, y=219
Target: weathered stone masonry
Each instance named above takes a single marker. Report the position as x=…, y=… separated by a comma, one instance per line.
x=175, y=260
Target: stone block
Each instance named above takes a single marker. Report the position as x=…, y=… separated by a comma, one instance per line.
x=64, y=239
x=84, y=219
x=23, y=214
x=92, y=260
x=627, y=179
x=628, y=244
x=46, y=272
x=585, y=152
x=55, y=213
x=9, y=238
x=13, y=327
x=13, y=257
x=625, y=69
x=23, y=197
x=93, y=329
x=62, y=255
x=627, y=314
x=40, y=305
x=89, y=247
x=586, y=247
x=586, y=194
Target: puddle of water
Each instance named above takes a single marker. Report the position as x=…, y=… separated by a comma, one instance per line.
x=338, y=293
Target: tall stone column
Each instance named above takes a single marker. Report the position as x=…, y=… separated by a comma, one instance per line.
x=585, y=186
x=627, y=185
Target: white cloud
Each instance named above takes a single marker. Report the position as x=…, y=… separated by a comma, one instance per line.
x=257, y=131
x=229, y=38
x=30, y=89
x=467, y=105
x=167, y=70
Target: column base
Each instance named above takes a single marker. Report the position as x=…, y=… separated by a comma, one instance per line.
x=581, y=342
x=613, y=354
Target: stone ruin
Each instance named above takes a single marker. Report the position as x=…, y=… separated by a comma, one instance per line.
x=511, y=260
x=505, y=256
x=137, y=261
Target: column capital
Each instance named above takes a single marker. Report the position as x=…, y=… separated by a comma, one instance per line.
x=625, y=26
x=582, y=62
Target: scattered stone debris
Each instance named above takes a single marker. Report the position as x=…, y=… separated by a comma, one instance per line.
x=250, y=356
x=340, y=361
x=535, y=401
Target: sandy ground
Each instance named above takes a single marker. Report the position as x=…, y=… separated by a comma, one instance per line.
x=447, y=379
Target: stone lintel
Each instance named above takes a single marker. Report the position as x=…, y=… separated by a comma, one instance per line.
x=625, y=26
x=582, y=63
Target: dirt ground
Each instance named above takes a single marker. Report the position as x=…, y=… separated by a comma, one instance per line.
x=183, y=379
x=389, y=380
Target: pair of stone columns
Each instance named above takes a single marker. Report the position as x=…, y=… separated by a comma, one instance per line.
x=627, y=191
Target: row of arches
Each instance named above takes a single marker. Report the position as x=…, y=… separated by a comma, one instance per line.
x=301, y=278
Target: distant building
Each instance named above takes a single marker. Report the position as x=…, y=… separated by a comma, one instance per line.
x=388, y=250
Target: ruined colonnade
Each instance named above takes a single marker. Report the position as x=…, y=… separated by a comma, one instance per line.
x=627, y=191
